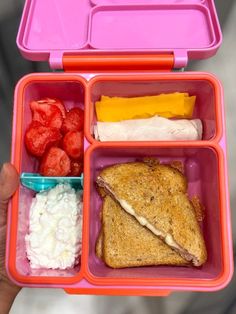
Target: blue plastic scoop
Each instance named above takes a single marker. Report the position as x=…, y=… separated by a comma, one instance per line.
x=38, y=183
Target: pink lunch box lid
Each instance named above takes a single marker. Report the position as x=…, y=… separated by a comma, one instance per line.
x=50, y=29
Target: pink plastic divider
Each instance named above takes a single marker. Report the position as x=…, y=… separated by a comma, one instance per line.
x=72, y=93
x=119, y=2
x=57, y=25
x=151, y=26
x=205, y=102
x=201, y=169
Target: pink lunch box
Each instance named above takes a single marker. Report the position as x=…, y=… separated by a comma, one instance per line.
x=124, y=48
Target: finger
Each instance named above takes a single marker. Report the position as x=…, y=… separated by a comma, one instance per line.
x=9, y=180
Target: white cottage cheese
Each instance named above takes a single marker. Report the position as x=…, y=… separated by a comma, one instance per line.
x=55, y=227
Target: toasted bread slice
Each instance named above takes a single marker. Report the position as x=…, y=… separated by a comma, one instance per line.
x=128, y=244
x=99, y=245
x=99, y=242
x=156, y=195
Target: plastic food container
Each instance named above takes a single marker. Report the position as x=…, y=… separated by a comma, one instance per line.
x=124, y=48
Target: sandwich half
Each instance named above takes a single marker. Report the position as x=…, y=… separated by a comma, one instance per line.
x=156, y=196
x=123, y=242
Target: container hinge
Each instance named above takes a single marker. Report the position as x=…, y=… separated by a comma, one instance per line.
x=108, y=63
x=180, y=58
x=56, y=60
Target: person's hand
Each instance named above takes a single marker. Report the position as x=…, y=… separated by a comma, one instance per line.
x=9, y=181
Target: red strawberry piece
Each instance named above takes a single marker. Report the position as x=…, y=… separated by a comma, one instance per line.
x=55, y=163
x=47, y=113
x=35, y=124
x=74, y=121
x=72, y=144
x=76, y=168
x=38, y=138
x=51, y=101
x=60, y=106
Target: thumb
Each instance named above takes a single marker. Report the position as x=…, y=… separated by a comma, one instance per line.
x=9, y=180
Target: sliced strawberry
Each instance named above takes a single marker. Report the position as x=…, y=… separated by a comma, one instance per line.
x=72, y=143
x=48, y=114
x=74, y=121
x=55, y=163
x=60, y=106
x=50, y=101
x=35, y=124
x=38, y=138
x=76, y=168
